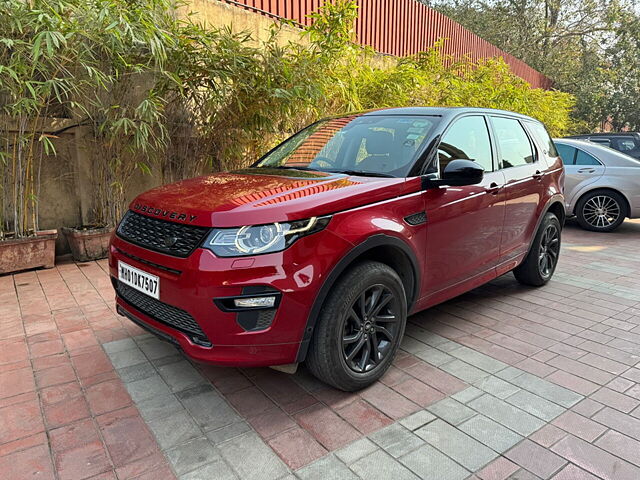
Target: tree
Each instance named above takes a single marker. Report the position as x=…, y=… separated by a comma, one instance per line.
x=570, y=41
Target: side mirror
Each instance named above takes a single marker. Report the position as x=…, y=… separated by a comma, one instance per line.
x=457, y=173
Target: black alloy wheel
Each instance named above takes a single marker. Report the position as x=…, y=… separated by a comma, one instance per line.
x=360, y=326
x=549, y=250
x=370, y=328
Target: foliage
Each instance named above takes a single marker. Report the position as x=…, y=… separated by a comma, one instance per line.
x=588, y=48
x=160, y=93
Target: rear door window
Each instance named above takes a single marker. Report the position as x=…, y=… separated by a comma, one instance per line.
x=567, y=153
x=543, y=138
x=513, y=143
x=583, y=158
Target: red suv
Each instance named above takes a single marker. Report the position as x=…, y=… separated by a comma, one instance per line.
x=320, y=250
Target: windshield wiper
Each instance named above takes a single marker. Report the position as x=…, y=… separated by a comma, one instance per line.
x=288, y=167
x=361, y=173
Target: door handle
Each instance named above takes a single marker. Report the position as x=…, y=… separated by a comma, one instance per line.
x=538, y=175
x=494, y=188
x=587, y=170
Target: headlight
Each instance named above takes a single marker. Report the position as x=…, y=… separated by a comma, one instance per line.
x=257, y=239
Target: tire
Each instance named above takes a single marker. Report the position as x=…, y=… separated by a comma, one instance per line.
x=601, y=211
x=541, y=261
x=344, y=324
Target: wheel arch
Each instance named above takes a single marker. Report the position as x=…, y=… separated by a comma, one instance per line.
x=382, y=248
x=606, y=189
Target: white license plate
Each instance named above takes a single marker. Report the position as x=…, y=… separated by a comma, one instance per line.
x=140, y=280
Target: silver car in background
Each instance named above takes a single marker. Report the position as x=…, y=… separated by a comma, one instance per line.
x=602, y=185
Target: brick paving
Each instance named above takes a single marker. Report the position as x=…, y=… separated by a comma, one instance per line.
x=503, y=382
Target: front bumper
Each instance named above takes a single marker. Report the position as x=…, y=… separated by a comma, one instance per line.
x=237, y=338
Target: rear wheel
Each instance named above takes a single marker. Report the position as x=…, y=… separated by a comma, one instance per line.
x=541, y=261
x=601, y=211
x=359, y=328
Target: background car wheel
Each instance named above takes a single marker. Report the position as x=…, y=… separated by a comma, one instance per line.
x=601, y=211
x=541, y=261
x=360, y=327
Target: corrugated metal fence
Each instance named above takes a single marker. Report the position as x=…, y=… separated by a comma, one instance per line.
x=401, y=27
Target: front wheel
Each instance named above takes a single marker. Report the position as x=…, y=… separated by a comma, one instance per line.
x=541, y=261
x=360, y=327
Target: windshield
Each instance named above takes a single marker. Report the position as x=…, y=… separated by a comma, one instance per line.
x=366, y=145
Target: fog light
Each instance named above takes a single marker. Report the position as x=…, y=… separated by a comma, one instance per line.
x=255, y=302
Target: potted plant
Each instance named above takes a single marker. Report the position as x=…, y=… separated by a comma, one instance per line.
x=38, y=82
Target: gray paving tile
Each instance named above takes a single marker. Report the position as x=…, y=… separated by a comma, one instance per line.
x=217, y=470
x=468, y=394
x=396, y=440
x=175, y=429
x=479, y=360
x=380, y=466
x=154, y=348
x=126, y=358
x=451, y=411
x=470, y=453
x=509, y=373
x=192, y=455
x=227, y=433
x=356, y=450
x=210, y=410
x=119, y=345
x=490, y=433
x=417, y=420
x=181, y=376
x=162, y=361
x=136, y=372
x=550, y=391
x=507, y=415
x=159, y=406
x=463, y=371
x=147, y=388
x=496, y=387
x=536, y=405
x=433, y=356
x=430, y=464
x=252, y=458
x=326, y=467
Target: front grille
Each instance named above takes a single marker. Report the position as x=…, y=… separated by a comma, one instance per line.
x=161, y=236
x=159, y=311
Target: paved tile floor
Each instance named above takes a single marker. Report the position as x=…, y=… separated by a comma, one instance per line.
x=503, y=382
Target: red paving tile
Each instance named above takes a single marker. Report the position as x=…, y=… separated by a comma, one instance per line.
x=418, y=392
x=296, y=448
x=327, y=427
x=250, y=401
x=20, y=420
x=150, y=463
x=34, y=462
x=82, y=462
x=579, y=426
x=499, y=469
x=53, y=376
x=107, y=396
x=272, y=422
x=15, y=382
x=364, y=417
x=65, y=412
x=127, y=439
x=388, y=401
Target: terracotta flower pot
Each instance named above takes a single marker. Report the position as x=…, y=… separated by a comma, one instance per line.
x=88, y=243
x=26, y=253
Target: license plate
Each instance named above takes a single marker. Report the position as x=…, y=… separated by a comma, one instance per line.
x=142, y=281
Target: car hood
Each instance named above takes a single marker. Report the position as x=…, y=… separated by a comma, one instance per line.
x=257, y=196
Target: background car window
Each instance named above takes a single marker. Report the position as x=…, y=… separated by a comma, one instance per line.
x=567, y=153
x=467, y=139
x=540, y=133
x=514, y=144
x=583, y=158
x=626, y=144
x=602, y=141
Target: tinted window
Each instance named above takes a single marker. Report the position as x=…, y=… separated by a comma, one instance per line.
x=567, y=153
x=626, y=144
x=583, y=158
x=374, y=143
x=542, y=137
x=514, y=144
x=467, y=138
